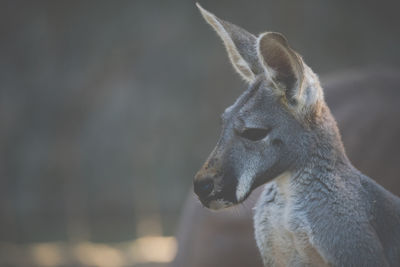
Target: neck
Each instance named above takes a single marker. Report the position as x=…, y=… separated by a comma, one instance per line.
x=326, y=156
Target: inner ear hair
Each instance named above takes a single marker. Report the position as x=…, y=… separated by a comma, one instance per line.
x=283, y=66
x=239, y=44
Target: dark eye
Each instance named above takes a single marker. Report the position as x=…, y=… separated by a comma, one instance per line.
x=255, y=134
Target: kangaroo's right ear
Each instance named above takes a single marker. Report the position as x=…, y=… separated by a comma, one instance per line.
x=240, y=45
x=282, y=65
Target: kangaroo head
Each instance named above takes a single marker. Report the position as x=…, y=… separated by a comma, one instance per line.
x=266, y=132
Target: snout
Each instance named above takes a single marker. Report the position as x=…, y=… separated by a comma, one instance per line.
x=203, y=187
x=213, y=184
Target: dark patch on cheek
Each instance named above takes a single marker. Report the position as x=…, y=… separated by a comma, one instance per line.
x=272, y=172
x=277, y=163
x=228, y=186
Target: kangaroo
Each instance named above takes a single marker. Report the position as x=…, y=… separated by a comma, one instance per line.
x=316, y=209
x=224, y=238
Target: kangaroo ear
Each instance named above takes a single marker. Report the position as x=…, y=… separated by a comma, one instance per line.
x=283, y=66
x=240, y=45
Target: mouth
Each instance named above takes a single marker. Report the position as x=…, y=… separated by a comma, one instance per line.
x=219, y=204
x=215, y=202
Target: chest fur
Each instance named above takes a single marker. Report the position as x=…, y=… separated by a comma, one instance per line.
x=282, y=233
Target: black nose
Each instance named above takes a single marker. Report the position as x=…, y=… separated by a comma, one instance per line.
x=203, y=187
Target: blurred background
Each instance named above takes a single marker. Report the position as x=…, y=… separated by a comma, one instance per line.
x=108, y=108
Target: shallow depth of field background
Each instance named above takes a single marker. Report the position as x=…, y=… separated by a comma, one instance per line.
x=108, y=108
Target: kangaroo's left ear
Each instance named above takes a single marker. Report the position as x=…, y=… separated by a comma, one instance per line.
x=283, y=66
x=239, y=43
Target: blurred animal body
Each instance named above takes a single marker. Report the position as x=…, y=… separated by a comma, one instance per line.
x=317, y=209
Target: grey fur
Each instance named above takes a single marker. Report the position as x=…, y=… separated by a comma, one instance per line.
x=317, y=208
